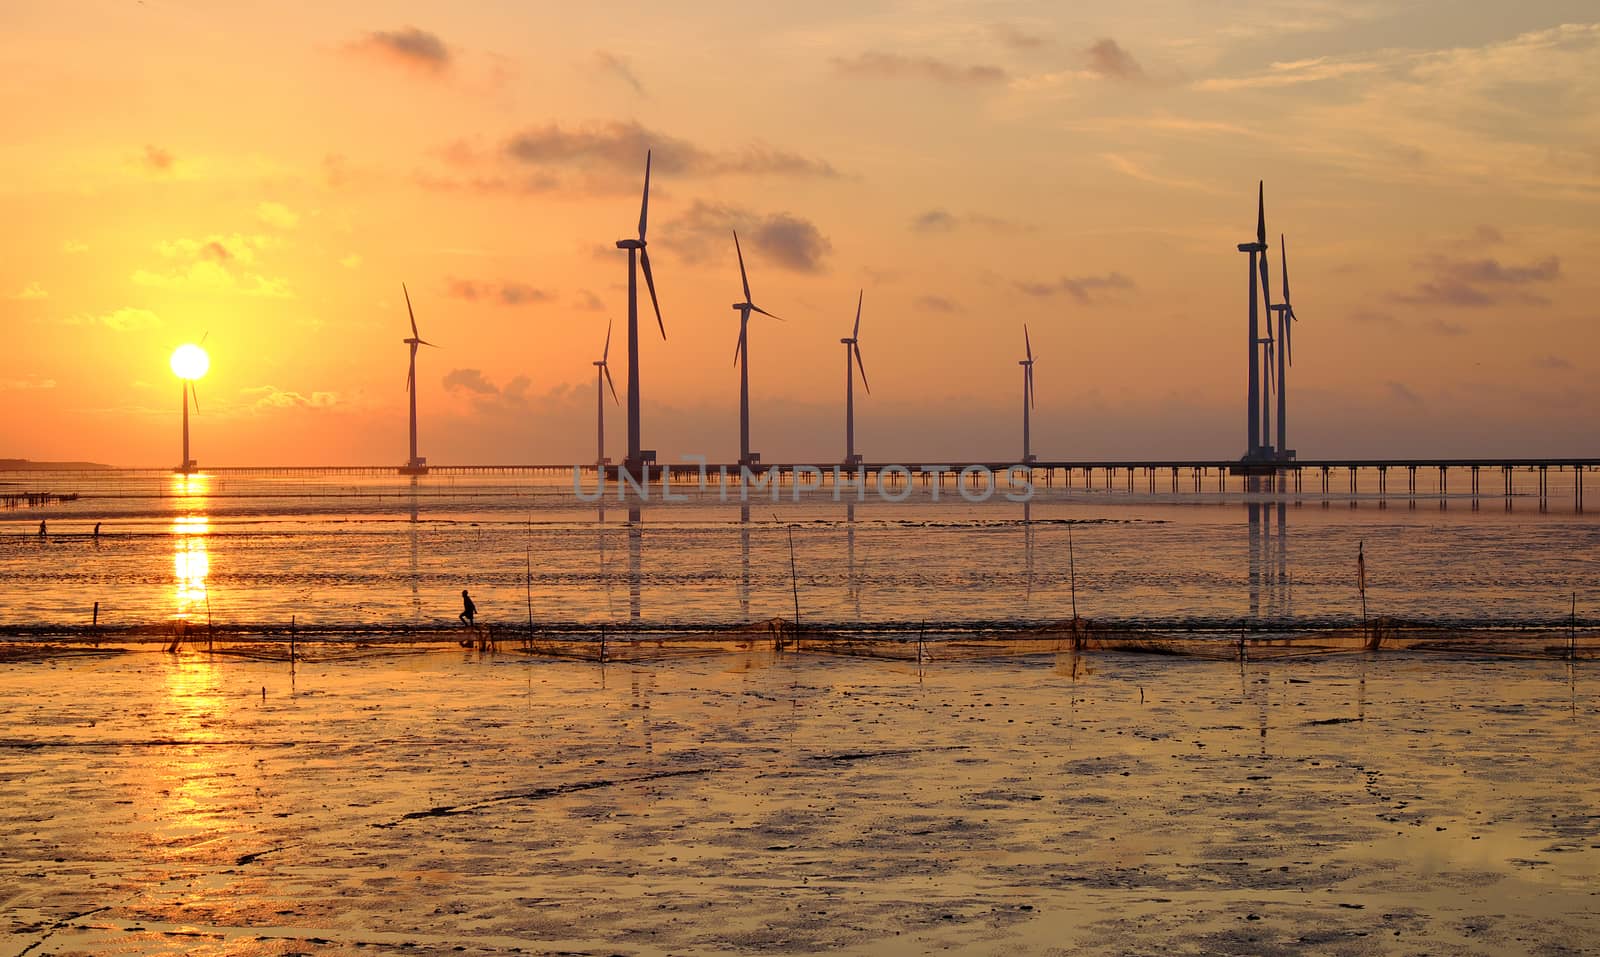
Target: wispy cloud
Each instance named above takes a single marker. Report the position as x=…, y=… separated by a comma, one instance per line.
x=783, y=238
x=277, y=215
x=469, y=380
x=1444, y=327
x=1398, y=392
x=1107, y=59
x=1481, y=281
x=1291, y=73
x=621, y=146
x=504, y=292
x=941, y=220
x=31, y=291
x=410, y=47
x=618, y=67
x=1085, y=289
x=1016, y=38
x=1374, y=317
x=588, y=301
x=26, y=383
x=126, y=319
x=158, y=160
x=1130, y=167
x=267, y=398
x=1552, y=364
x=72, y=247
x=938, y=304
x=897, y=66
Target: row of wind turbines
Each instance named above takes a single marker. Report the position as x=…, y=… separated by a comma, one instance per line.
x=1261, y=359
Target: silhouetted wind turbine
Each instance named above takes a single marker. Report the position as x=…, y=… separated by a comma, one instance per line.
x=1027, y=393
x=1267, y=340
x=602, y=378
x=741, y=355
x=1253, y=400
x=637, y=256
x=1286, y=319
x=852, y=363
x=414, y=465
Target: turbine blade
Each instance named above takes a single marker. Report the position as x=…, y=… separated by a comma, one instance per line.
x=738, y=345
x=769, y=315
x=860, y=366
x=1027, y=343
x=411, y=374
x=1283, y=251
x=857, y=330
x=1288, y=339
x=1266, y=289
x=203, y=338
x=604, y=353
x=649, y=280
x=414, y=333
x=607, y=370
x=1031, y=403
x=742, y=277
x=424, y=342
x=644, y=204
x=195, y=395
x=1261, y=212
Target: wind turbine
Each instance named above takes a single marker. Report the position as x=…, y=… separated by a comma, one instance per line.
x=414, y=465
x=189, y=362
x=1027, y=394
x=602, y=378
x=1258, y=273
x=1286, y=319
x=741, y=355
x=637, y=256
x=852, y=363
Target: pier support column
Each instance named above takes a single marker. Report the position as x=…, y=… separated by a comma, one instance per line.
x=1411, y=480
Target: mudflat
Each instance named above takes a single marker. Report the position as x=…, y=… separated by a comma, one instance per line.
x=458, y=802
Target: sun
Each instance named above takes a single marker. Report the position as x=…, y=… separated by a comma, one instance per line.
x=189, y=361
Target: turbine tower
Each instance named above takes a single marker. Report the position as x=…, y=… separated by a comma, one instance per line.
x=741, y=355
x=1286, y=320
x=1027, y=395
x=602, y=378
x=1255, y=406
x=637, y=256
x=414, y=465
x=852, y=364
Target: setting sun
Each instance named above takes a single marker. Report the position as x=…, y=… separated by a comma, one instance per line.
x=189, y=361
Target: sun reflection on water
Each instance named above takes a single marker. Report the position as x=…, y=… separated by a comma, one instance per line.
x=191, y=562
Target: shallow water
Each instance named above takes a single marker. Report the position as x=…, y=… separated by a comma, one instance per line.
x=345, y=552
x=755, y=803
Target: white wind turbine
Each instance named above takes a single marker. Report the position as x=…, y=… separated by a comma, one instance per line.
x=415, y=465
x=741, y=355
x=852, y=364
x=602, y=378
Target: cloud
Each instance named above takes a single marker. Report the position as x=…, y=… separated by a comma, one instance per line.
x=943, y=221
x=1109, y=60
x=1015, y=37
x=469, y=380
x=126, y=319
x=352, y=261
x=1374, y=317
x=73, y=247
x=1398, y=392
x=506, y=293
x=236, y=247
x=782, y=238
x=269, y=397
x=26, y=383
x=1291, y=73
x=1085, y=289
x=410, y=47
x=1552, y=363
x=619, y=67
x=621, y=146
x=586, y=300
x=893, y=65
x=277, y=215
x=157, y=159
x=212, y=276
x=937, y=304
x=31, y=291
x=1443, y=327
x=1129, y=167
x=1461, y=282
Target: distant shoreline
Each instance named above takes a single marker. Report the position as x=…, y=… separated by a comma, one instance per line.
x=28, y=465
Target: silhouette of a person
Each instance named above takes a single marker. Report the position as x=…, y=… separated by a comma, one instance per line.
x=468, y=610
x=96, y=529
x=41, y=528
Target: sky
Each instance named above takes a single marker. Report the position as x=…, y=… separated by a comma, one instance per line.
x=267, y=176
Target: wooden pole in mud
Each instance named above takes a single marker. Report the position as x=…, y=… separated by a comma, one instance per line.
x=529, y=581
x=794, y=585
x=1572, y=631
x=291, y=642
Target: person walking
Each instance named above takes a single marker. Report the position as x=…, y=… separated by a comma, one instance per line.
x=469, y=611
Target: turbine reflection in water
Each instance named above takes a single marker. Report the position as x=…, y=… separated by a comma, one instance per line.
x=191, y=561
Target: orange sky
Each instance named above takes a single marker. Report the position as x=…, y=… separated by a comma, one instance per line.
x=270, y=174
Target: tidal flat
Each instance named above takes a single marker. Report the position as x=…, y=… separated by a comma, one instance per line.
x=464, y=802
